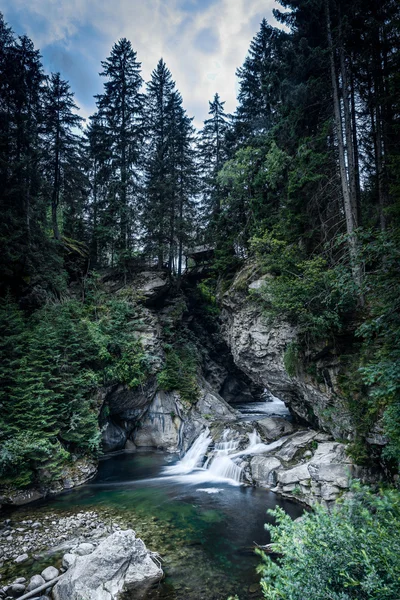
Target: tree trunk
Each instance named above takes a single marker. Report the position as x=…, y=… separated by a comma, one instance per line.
x=347, y=203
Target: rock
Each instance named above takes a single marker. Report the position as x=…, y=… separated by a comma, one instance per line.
x=35, y=582
x=151, y=286
x=17, y=589
x=68, y=560
x=20, y=580
x=161, y=425
x=275, y=427
x=113, y=437
x=213, y=404
x=50, y=573
x=21, y=558
x=130, y=446
x=84, y=549
x=120, y=562
x=258, y=347
x=294, y=475
x=294, y=443
x=263, y=470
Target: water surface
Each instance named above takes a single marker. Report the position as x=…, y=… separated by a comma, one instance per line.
x=205, y=532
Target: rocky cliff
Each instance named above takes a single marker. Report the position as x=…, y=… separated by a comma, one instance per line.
x=258, y=348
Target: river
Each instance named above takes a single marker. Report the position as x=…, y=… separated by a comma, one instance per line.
x=204, y=527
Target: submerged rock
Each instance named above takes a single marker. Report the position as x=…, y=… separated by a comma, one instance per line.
x=121, y=562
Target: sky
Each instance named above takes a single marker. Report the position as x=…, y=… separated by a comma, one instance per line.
x=201, y=41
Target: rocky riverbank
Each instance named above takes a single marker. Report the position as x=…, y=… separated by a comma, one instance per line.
x=93, y=549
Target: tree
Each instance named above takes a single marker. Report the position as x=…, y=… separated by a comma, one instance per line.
x=157, y=192
x=259, y=83
x=171, y=181
x=62, y=142
x=120, y=110
x=212, y=155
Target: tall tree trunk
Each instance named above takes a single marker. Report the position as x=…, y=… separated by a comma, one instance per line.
x=347, y=203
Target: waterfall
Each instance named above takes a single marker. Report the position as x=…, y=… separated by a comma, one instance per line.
x=226, y=445
x=220, y=465
x=223, y=467
x=193, y=457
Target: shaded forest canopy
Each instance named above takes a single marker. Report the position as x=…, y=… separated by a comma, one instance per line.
x=304, y=179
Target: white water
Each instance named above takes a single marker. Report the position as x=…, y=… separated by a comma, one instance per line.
x=195, y=467
x=193, y=457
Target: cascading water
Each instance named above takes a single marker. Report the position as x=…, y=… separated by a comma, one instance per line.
x=194, y=456
x=226, y=445
x=195, y=467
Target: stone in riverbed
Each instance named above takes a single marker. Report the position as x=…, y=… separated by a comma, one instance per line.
x=120, y=562
x=17, y=589
x=21, y=559
x=50, y=573
x=68, y=560
x=275, y=427
x=35, y=582
x=263, y=469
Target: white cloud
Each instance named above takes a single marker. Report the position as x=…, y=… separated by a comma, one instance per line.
x=158, y=28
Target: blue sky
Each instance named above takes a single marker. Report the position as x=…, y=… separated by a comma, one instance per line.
x=202, y=41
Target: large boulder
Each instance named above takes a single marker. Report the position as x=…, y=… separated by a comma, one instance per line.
x=121, y=562
x=274, y=428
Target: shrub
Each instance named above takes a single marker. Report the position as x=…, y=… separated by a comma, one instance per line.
x=349, y=553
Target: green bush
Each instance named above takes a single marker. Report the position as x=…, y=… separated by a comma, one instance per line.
x=349, y=553
x=305, y=291
x=180, y=374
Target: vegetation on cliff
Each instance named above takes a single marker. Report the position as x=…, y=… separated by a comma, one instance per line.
x=304, y=178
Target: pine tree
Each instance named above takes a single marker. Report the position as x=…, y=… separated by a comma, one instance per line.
x=259, y=83
x=120, y=109
x=170, y=172
x=157, y=191
x=212, y=155
x=62, y=143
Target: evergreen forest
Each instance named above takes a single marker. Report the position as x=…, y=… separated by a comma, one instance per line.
x=302, y=181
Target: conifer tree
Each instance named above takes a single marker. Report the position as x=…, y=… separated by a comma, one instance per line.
x=157, y=190
x=62, y=142
x=120, y=109
x=259, y=83
x=212, y=155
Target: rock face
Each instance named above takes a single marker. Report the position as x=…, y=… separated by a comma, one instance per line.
x=171, y=425
x=258, y=349
x=121, y=562
x=307, y=466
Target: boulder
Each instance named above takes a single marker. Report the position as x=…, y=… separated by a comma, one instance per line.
x=21, y=559
x=294, y=475
x=50, y=573
x=275, y=427
x=68, y=560
x=263, y=470
x=120, y=562
x=294, y=443
x=84, y=549
x=35, y=582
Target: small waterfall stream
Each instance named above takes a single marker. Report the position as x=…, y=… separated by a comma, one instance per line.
x=221, y=465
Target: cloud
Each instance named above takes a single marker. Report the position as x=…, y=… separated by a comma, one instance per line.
x=202, y=41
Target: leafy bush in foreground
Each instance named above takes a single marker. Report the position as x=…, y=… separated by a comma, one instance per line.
x=350, y=553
